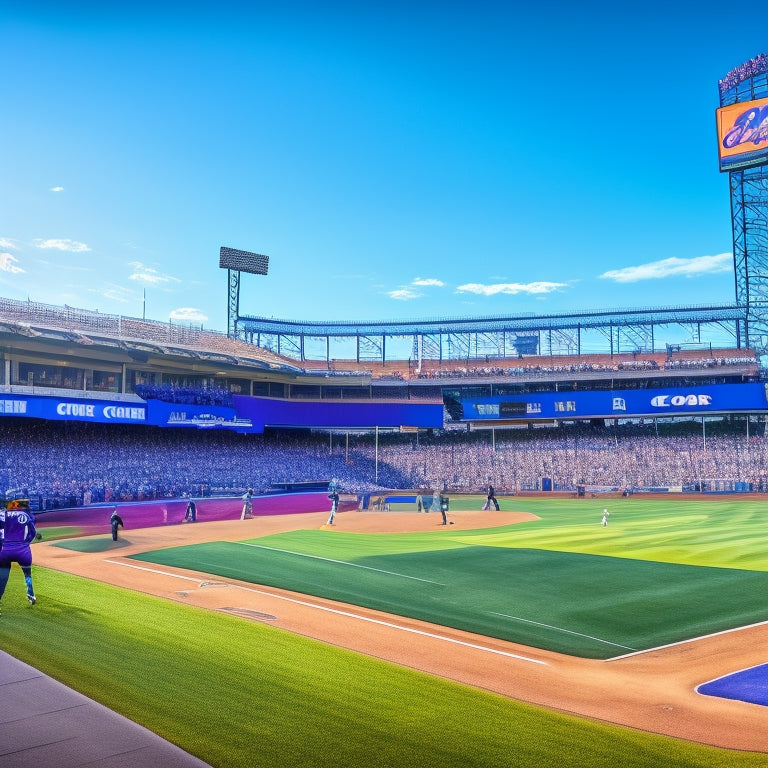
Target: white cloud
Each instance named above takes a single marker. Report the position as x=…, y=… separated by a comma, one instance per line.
x=188, y=315
x=673, y=267
x=9, y=263
x=404, y=294
x=149, y=276
x=73, y=246
x=510, y=288
x=57, y=189
x=6, y=242
x=409, y=292
x=118, y=293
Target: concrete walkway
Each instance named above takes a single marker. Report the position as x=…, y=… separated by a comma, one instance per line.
x=44, y=724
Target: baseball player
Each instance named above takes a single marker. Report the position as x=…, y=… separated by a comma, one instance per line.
x=17, y=531
x=334, y=497
x=115, y=521
x=247, y=505
x=490, y=499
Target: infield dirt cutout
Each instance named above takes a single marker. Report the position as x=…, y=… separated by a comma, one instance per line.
x=651, y=691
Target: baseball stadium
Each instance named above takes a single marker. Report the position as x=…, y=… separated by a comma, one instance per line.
x=547, y=549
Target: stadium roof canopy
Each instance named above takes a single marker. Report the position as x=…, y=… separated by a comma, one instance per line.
x=278, y=345
x=501, y=335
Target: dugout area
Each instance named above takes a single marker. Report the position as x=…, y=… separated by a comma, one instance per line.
x=396, y=502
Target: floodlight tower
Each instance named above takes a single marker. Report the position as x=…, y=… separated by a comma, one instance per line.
x=235, y=262
x=742, y=132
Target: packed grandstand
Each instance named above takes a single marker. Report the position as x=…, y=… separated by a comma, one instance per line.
x=74, y=463
x=99, y=408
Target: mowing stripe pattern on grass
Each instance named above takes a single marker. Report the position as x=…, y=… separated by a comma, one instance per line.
x=579, y=604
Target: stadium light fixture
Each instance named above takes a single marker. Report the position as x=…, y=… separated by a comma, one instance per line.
x=243, y=261
x=235, y=262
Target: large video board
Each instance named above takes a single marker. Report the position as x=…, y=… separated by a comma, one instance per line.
x=742, y=134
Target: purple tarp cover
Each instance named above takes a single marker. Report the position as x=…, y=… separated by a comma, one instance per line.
x=94, y=518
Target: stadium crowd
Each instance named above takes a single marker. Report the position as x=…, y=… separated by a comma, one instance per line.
x=624, y=457
x=543, y=366
x=640, y=364
x=172, y=393
x=751, y=68
x=708, y=362
x=74, y=463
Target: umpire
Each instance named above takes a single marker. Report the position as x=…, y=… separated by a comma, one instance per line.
x=115, y=521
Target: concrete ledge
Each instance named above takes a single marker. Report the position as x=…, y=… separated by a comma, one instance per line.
x=44, y=724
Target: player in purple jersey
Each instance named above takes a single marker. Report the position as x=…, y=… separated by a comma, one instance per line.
x=17, y=531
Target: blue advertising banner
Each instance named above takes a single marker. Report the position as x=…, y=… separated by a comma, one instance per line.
x=73, y=409
x=164, y=414
x=250, y=414
x=337, y=414
x=619, y=403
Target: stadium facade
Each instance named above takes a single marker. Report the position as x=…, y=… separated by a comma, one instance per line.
x=62, y=364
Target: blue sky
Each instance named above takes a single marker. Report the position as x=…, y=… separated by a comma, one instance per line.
x=393, y=160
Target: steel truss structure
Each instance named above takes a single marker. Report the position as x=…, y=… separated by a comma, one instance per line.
x=749, y=206
x=500, y=337
x=233, y=303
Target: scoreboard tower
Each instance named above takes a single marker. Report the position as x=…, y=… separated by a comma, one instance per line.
x=742, y=134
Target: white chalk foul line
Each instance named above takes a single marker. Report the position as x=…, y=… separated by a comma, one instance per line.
x=347, y=614
x=689, y=640
x=152, y=570
x=560, y=629
x=339, y=562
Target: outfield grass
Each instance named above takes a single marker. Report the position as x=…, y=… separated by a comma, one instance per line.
x=714, y=533
x=660, y=572
x=240, y=694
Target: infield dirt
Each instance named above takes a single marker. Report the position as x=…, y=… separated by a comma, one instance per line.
x=651, y=691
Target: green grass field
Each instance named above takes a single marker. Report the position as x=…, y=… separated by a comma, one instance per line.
x=241, y=694
x=657, y=574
